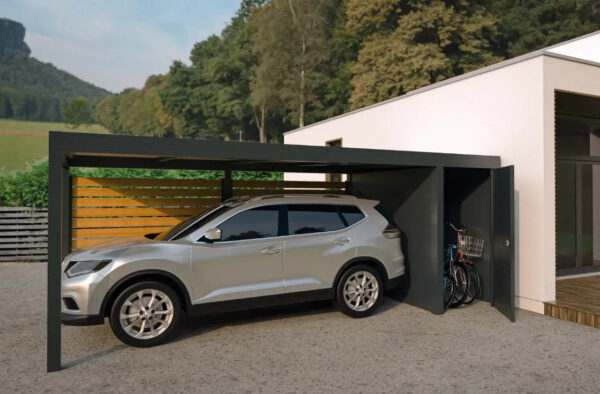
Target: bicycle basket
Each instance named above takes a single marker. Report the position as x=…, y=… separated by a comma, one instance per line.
x=472, y=246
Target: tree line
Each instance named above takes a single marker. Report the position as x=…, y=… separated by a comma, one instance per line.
x=283, y=64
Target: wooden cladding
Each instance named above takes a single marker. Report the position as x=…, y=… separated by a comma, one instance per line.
x=108, y=208
x=105, y=208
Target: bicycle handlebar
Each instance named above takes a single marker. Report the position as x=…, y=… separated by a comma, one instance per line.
x=462, y=228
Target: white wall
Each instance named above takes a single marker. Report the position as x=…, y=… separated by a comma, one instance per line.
x=584, y=48
x=495, y=113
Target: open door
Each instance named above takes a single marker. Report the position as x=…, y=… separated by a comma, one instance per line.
x=503, y=251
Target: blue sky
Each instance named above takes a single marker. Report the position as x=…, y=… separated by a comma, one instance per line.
x=116, y=43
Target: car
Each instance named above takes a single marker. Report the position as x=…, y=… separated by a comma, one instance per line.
x=248, y=252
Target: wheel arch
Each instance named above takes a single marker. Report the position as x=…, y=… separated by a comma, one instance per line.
x=362, y=260
x=156, y=275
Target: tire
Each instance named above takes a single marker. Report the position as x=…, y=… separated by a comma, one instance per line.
x=448, y=290
x=474, y=283
x=156, y=325
x=461, y=284
x=364, y=281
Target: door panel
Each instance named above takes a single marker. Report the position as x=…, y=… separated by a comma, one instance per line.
x=312, y=261
x=503, y=252
x=241, y=269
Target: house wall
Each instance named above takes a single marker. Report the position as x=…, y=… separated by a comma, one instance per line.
x=495, y=113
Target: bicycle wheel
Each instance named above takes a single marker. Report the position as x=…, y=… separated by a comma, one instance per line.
x=474, y=283
x=461, y=284
x=448, y=290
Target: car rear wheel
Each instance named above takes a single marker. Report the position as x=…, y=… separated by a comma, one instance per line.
x=359, y=291
x=146, y=314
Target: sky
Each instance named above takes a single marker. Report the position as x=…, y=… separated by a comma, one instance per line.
x=116, y=44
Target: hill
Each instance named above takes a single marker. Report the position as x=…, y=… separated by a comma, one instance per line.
x=31, y=89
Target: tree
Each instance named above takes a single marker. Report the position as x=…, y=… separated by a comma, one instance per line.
x=430, y=41
x=529, y=25
x=291, y=45
x=77, y=112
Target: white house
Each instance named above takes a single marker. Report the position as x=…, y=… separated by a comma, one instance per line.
x=539, y=112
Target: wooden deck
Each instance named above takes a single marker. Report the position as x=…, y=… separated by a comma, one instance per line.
x=577, y=300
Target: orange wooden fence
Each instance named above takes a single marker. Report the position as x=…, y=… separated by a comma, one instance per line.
x=107, y=208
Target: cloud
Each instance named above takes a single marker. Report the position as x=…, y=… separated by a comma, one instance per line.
x=116, y=44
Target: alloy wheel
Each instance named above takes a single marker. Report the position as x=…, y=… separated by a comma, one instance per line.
x=361, y=291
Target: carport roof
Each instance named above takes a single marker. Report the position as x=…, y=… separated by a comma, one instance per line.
x=101, y=150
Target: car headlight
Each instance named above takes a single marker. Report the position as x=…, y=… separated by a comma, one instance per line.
x=76, y=268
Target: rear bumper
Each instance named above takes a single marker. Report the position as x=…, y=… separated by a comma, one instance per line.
x=69, y=319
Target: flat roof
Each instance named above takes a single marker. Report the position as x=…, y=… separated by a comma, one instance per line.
x=509, y=62
x=109, y=150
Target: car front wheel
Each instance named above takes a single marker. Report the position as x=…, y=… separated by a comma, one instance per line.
x=146, y=314
x=359, y=291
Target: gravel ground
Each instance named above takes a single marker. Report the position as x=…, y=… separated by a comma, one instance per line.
x=306, y=348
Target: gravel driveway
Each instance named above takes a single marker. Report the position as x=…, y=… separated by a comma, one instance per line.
x=307, y=348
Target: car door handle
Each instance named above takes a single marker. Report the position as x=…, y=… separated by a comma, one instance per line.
x=271, y=250
x=342, y=241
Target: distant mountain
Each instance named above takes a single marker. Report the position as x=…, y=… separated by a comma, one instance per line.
x=31, y=89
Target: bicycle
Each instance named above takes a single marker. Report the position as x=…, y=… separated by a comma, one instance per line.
x=467, y=247
x=457, y=273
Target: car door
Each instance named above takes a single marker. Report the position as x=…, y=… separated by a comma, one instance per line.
x=246, y=262
x=318, y=244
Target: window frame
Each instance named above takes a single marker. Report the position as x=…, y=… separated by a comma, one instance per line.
x=283, y=222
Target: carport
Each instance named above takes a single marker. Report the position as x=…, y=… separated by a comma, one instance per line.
x=420, y=191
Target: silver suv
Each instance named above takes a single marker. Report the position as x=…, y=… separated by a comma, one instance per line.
x=247, y=252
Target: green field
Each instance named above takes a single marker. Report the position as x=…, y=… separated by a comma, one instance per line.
x=22, y=142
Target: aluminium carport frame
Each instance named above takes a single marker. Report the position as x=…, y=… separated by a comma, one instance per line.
x=95, y=150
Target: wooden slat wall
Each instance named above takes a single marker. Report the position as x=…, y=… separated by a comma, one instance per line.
x=23, y=234
x=108, y=208
x=255, y=188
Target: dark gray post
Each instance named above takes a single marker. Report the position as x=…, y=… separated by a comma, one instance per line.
x=226, y=185
x=56, y=178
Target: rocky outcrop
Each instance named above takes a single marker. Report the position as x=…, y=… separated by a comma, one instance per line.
x=12, y=37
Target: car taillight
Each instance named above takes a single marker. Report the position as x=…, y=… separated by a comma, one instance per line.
x=391, y=231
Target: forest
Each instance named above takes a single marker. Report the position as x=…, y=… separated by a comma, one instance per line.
x=283, y=64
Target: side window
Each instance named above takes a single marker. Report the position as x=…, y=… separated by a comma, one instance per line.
x=254, y=223
x=351, y=214
x=313, y=218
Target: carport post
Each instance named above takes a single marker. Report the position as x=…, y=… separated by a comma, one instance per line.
x=59, y=216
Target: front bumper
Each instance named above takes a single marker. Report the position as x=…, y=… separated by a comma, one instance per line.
x=82, y=296
x=69, y=319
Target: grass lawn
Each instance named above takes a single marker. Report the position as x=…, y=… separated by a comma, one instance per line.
x=25, y=141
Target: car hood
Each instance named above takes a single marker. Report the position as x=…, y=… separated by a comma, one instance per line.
x=110, y=249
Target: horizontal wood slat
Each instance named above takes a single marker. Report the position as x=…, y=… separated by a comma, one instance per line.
x=80, y=181
x=27, y=245
x=144, y=202
x=258, y=192
x=140, y=212
x=42, y=257
x=289, y=184
x=126, y=222
x=84, y=242
x=107, y=192
x=116, y=232
x=22, y=252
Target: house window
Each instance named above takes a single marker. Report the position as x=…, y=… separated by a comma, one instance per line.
x=334, y=177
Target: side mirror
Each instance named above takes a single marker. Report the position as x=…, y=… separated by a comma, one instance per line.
x=214, y=234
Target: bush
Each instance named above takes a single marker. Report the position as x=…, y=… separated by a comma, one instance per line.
x=29, y=187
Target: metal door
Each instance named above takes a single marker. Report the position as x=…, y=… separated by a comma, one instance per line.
x=503, y=251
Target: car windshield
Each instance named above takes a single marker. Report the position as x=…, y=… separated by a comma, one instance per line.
x=194, y=222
